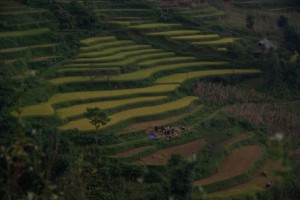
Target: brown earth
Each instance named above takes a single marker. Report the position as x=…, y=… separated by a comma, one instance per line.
x=161, y=122
x=258, y=181
x=235, y=164
x=161, y=157
x=131, y=152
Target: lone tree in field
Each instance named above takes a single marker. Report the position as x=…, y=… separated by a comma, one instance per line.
x=97, y=118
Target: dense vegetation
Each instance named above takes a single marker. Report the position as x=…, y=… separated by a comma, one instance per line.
x=141, y=99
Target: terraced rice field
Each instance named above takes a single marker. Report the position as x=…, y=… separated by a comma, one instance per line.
x=131, y=152
x=173, y=33
x=177, y=33
x=152, y=26
x=46, y=109
x=84, y=125
x=10, y=34
x=223, y=41
x=162, y=156
x=235, y=164
x=77, y=110
x=202, y=13
x=137, y=75
x=181, y=77
x=196, y=37
x=257, y=182
x=165, y=121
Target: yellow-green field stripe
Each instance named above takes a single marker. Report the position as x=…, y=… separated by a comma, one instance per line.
x=79, y=109
x=84, y=125
x=181, y=77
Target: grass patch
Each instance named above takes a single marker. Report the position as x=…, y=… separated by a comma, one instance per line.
x=84, y=125
x=181, y=77
x=79, y=109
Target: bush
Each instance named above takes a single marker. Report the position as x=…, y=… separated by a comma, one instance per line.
x=250, y=21
x=282, y=21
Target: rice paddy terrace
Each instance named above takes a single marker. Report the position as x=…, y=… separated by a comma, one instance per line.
x=140, y=82
x=26, y=33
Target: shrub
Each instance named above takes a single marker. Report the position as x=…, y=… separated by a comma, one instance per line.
x=282, y=21
x=250, y=21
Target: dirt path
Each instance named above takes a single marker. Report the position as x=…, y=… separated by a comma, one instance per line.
x=258, y=181
x=161, y=157
x=131, y=152
x=236, y=163
x=165, y=121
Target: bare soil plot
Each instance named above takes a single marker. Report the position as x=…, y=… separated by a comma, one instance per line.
x=258, y=181
x=131, y=152
x=238, y=162
x=161, y=157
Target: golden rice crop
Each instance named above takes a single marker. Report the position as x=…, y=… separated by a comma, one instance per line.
x=153, y=26
x=24, y=33
x=46, y=107
x=79, y=109
x=181, y=77
x=94, y=40
x=106, y=45
x=137, y=75
x=164, y=60
x=216, y=42
x=174, y=33
x=84, y=125
x=196, y=37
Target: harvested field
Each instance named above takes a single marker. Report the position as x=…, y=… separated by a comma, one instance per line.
x=131, y=152
x=258, y=181
x=235, y=164
x=161, y=157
